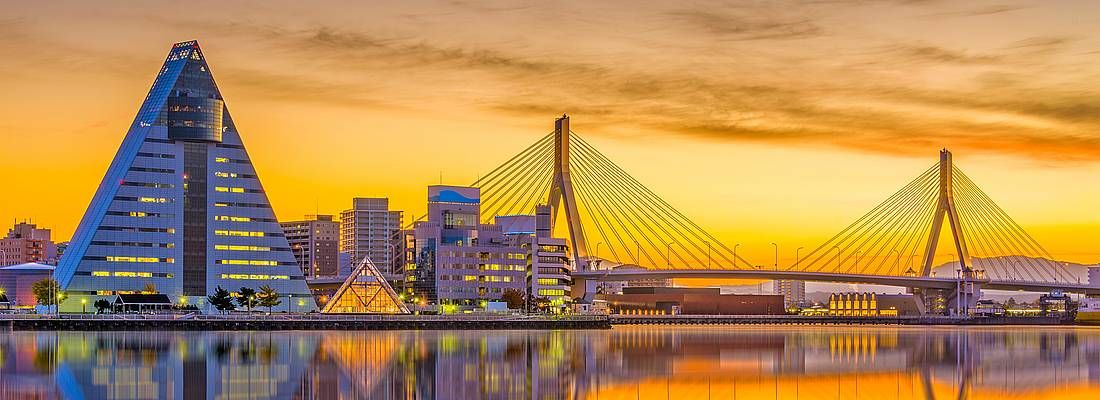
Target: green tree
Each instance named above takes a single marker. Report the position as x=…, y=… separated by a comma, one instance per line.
x=150, y=288
x=47, y=292
x=101, y=305
x=268, y=297
x=246, y=297
x=221, y=300
x=513, y=297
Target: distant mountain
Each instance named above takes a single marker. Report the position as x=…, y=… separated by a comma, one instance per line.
x=1021, y=268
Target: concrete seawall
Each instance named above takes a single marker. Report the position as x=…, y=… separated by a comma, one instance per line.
x=235, y=324
x=800, y=320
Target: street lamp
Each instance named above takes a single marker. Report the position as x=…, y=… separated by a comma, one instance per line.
x=668, y=254
x=776, y=256
x=735, y=254
x=707, y=254
x=598, y=250
x=838, y=267
x=637, y=251
x=290, y=298
x=84, y=306
x=897, y=263
x=797, y=259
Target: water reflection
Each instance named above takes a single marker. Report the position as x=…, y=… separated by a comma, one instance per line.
x=625, y=363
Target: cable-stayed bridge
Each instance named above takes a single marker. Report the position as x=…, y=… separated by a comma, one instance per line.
x=940, y=232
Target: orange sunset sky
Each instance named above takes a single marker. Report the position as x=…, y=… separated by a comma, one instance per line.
x=763, y=121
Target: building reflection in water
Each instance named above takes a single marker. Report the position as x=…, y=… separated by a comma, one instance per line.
x=625, y=363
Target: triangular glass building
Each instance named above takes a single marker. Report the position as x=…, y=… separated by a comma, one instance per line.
x=181, y=206
x=365, y=292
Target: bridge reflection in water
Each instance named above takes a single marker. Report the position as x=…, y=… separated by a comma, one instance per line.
x=625, y=363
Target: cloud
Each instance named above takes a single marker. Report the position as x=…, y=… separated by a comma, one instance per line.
x=727, y=26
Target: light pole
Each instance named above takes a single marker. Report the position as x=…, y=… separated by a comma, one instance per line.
x=897, y=264
x=637, y=252
x=598, y=250
x=776, y=256
x=83, y=306
x=838, y=267
x=735, y=254
x=668, y=254
x=707, y=254
x=797, y=258
x=290, y=298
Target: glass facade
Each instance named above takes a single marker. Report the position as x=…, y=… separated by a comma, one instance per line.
x=160, y=203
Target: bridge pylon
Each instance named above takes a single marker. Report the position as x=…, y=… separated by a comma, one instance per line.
x=945, y=207
x=561, y=192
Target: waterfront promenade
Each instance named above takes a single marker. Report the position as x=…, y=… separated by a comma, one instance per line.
x=262, y=322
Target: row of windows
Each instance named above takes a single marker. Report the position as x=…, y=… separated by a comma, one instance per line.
x=258, y=277
x=221, y=174
x=264, y=263
x=224, y=189
x=230, y=160
x=230, y=146
x=134, y=244
x=156, y=155
x=220, y=232
x=551, y=292
x=550, y=281
x=241, y=248
x=155, y=140
x=149, y=185
x=133, y=229
x=131, y=274
x=154, y=170
x=230, y=218
x=485, y=255
x=139, y=259
x=140, y=214
x=158, y=200
x=244, y=205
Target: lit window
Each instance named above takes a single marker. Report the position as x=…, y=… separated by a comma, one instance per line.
x=101, y=273
x=265, y=263
x=221, y=160
x=238, y=233
x=153, y=200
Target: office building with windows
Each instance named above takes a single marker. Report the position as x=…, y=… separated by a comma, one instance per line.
x=27, y=243
x=460, y=260
x=314, y=243
x=181, y=206
x=370, y=229
x=794, y=292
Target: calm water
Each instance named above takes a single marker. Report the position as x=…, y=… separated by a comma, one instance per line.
x=624, y=363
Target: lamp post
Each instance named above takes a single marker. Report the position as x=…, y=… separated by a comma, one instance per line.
x=637, y=252
x=83, y=306
x=797, y=258
x=668, y=254
x=735, y=254
x=598, y=250
x=897, y=263
x=776, y=256
x=838, y=267
x=707, y=254
x=290, y=298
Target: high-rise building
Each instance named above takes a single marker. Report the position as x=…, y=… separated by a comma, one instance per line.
x=370, y=229
x=794, y=292
x=460, y=260
x=181, y=206
x=314, y=244
x=27, y=243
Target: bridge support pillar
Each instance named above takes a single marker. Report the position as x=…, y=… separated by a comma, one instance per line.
x=584, y=289
x=964, y=297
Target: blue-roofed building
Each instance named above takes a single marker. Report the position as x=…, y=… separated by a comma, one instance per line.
x=181, y=207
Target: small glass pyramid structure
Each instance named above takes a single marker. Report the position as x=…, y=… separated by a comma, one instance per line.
x=365, y=292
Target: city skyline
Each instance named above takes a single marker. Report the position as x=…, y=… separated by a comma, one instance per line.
x=787, y=169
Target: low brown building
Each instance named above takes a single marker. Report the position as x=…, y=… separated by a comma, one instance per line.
x=690, y=301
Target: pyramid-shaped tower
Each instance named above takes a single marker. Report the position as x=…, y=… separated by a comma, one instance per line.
x=181, y=206
x=365, y=292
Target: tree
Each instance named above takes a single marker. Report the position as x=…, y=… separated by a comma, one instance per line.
x=246, y=297
x=221, y=300
x=47, y=292
x=150, y=288
x=268, y=297
x=101, y=306
x=513, y=297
